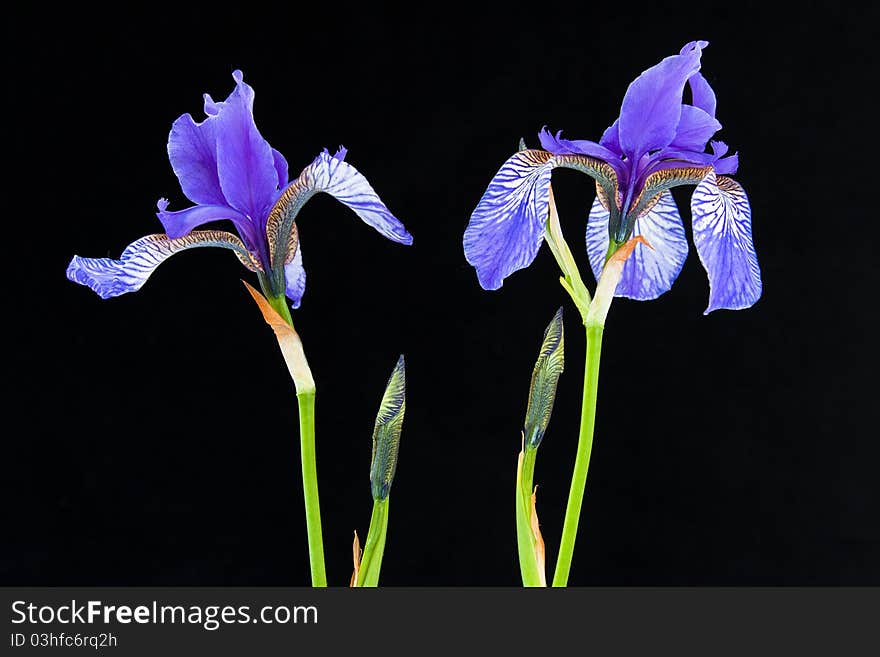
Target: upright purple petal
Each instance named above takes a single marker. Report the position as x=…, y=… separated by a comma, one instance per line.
x=507, y=227
x=722, y=220
x=648, y=273
x=110, y=278
x=192, y=151
x=651, y=108
x=694, y=130
x=281, y=169
x=295, y=277
x=702, y=94
x=246, y=165
x=611, y=138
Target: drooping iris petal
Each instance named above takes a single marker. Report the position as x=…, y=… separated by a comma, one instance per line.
x=694, y=129
x=110, y=278
x=246, y=166
x=651, y=108
x=648, y=273
x=295, y=277
x=722, y=220
x=507, y=227
x=179, y=223
x=331, y=175
x=192, y=151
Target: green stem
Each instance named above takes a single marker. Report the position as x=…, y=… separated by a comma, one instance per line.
x=374, y=549
x=529, y=568
x=306, y=403
x=582, y=462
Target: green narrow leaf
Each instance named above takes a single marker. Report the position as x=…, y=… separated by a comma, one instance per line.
x=386, y=433
x=545, y=376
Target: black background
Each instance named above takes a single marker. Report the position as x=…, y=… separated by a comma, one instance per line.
x=151, y=439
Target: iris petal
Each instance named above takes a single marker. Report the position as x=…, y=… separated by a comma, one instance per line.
x=722, y=220
x=110, y=278
x=192, y=151
x=651, y=108
x=611, y=138
x=702, y=94
x=694, y=129
x=295, y=276
x=246, y=166
x=331, y=175
x=507, y=227
x=280, y=168
x=648, y=273
x=180, y=222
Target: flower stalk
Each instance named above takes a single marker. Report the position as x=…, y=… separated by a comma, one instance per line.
x=594, y=325
x=292, y=350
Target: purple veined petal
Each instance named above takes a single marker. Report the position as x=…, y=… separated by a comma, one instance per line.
x=694, y=130
x=651, y=108
x=295, y=276
x=192, y=151
x=332, y=175
x=507, y=227
x=246, y=166
x=336, y=177
x=110, y=278
x=648, y=273
x=181, y=222
x=722, y=220
x=280, y=168
x=702, y=94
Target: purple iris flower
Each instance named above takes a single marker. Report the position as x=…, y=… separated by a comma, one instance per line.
x=657, y=143
x=231, y=173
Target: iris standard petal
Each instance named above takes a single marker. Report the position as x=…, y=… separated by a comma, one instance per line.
x=651, y=108
x=695, y=129
x=280, y=168
x=332, y=175
x=192, y=151
x=181, y=222
x=245, y=164
x=702, y=94
x=295, y=277
x=722, y=220
x=648, y=273
x=110, y=278
x=611, y=138
x=507, y=227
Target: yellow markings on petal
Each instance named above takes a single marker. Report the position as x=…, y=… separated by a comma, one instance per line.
x=289, y=341
x=609, y=279
x=356, y=557
x=660, y=181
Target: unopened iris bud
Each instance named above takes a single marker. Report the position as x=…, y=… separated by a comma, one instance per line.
x=545, y=376
x=386, y=433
